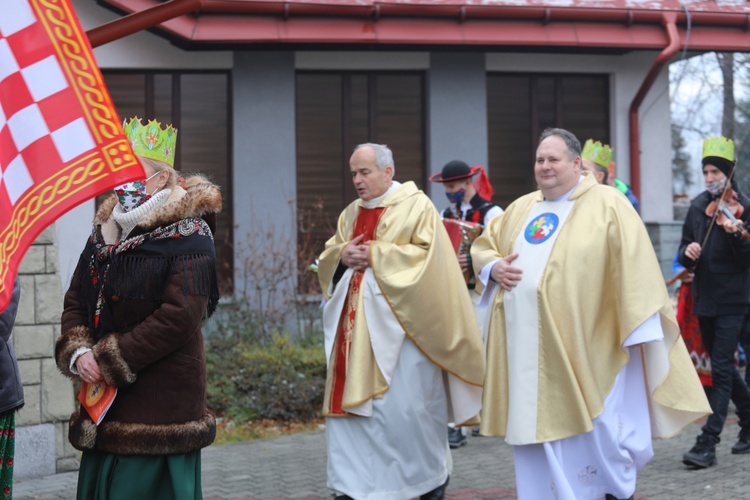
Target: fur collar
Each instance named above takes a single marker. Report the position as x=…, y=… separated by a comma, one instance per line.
x=197, y=198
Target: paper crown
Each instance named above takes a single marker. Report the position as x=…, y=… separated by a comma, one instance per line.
x=151, y=140
x=718, y=146
x=599, y=153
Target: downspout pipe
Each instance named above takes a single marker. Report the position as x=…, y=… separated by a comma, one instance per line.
x=669, y=21
x=141, y=20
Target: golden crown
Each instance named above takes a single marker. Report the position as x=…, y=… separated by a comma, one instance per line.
x=718, y=146
x=599, y=153
x=151, y=140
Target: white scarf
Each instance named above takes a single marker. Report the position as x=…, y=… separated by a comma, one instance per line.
x=128, y=220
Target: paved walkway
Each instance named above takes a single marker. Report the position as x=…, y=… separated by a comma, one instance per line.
x=293, y=467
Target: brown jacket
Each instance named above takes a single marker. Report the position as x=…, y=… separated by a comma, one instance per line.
x=154, y=355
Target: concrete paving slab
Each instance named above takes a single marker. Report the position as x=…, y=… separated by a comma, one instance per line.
x=293, y=467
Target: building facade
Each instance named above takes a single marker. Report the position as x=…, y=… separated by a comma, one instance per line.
x=270, y=98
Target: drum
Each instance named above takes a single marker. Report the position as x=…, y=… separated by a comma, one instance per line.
x=462, y=234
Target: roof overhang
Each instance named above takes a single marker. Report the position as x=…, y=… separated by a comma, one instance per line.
x=512, y=24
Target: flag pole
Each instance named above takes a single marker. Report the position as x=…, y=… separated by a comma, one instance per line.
x=141, y=20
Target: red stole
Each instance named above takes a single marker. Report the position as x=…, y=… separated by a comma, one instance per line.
x=365, y=224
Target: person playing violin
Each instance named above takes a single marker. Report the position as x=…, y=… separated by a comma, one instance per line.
x=713, y=247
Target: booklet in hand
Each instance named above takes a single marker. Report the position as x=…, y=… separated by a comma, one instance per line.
x=97, y=398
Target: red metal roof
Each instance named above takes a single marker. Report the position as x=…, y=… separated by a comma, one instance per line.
x=537, y=24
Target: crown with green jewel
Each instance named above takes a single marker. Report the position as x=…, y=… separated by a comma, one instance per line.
x=151, y=140
x=599, y=153
x=717, y=145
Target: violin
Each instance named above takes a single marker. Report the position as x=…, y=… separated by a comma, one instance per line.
x=729, y=208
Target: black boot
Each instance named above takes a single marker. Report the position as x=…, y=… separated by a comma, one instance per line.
x=742, y=446
x=612, y=497
x=438, y=493
x=703, y=454
x=456, y=438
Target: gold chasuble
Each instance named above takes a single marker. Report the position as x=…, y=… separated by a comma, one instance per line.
x=416, y=270
x=601, y=282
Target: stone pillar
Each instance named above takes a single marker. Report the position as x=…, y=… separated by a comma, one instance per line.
x=42, y=446
x=457, y=113
x=265, y=234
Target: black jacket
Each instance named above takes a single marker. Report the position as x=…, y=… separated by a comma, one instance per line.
x=722, y=274
x=11, y=389
x=479, y=208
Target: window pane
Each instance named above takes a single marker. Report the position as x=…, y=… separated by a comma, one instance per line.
x=163, y=98
x=509, y=130
x=398, y=117
x=204, y=123
x=585, y=104
x=203, y=146
x=545, y=98
x=321, y=171
x=359, y=128
x=128, y=91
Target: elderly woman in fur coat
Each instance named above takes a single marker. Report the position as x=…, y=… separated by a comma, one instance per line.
x=132, y=319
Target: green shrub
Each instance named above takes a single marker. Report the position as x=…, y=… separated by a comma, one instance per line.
x=280, y=381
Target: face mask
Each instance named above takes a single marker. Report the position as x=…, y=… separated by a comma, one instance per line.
x=716, y=187
x=456, y=196
x=133, y=194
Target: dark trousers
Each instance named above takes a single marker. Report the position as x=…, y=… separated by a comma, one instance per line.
x=720, y=337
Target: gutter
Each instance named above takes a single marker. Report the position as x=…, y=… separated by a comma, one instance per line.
x=442, y=22
x=141, y=20
x=463, y=10
x=669, y=21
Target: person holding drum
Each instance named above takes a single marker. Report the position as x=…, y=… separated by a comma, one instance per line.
x=469, y=201
x=469, y=211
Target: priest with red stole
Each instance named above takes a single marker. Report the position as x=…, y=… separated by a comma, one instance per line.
x=404, y=350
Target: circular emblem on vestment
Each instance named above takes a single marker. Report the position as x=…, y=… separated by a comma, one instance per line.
x=541, y=228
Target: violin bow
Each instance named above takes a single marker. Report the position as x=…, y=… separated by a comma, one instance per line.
x=671, y=281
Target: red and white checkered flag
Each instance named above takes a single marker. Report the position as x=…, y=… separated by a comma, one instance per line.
x=61, y=141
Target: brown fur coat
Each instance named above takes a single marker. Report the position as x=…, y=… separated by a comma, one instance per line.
x=151, y=348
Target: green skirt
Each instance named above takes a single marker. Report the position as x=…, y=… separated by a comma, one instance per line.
x=105, y=476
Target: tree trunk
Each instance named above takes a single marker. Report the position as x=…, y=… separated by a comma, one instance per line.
x=726, y=63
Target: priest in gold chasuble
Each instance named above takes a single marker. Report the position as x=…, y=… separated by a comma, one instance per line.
x=585, y=364
x=404, y=350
